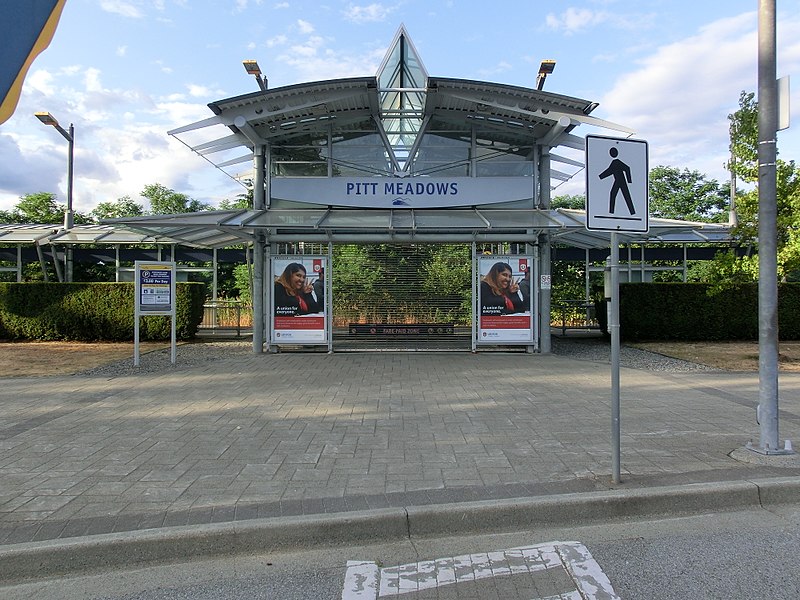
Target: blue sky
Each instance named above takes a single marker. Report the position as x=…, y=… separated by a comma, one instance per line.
x=127, y=71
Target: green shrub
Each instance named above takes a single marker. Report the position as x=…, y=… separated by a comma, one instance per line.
x=699, y=311
x=91, y=311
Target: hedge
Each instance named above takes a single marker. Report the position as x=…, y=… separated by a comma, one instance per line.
x=91, y=312
x=698, y=311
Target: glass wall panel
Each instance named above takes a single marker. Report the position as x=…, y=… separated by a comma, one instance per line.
x=444, y=153
x=302, y=156
x=359, y=153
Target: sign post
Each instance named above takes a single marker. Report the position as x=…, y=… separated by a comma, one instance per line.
x=155, y=295
x=617, y=201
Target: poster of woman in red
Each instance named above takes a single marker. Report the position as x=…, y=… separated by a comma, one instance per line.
x=504, y=300
x=299, y=312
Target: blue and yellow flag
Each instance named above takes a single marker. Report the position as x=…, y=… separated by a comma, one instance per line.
x=26, y=28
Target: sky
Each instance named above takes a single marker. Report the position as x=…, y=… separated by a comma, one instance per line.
x=125, y=72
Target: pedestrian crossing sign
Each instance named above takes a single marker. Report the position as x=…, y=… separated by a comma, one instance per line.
x=616, y=184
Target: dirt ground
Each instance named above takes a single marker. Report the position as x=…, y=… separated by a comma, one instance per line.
x=730, y=356
x=19, y=359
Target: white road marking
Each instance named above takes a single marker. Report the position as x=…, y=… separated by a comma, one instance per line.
x=360, y=581
x=364, y=580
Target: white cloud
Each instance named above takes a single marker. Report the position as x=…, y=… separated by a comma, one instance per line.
x=680, y=96
x=369, y=13
x=278, y=40
x=122, y=8
x=305, y=26
x=122, y=51
x=574, y=20
x=163, y=67
x=313, y=61
x=40, y=81
x=501, y=67
x=92, y=80
x=282, y=5
x=202, y=91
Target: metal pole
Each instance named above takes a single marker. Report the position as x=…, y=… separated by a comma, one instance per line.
x=613, y=329
x=767, y=231
x=259, y=311
x=544, y=253
x=733, y=220
x=68, y=214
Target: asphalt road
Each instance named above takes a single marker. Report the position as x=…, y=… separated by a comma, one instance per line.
x=732, y=555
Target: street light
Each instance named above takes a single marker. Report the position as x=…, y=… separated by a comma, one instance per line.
x=69, y=135
x=252, y=68
x=545, y=68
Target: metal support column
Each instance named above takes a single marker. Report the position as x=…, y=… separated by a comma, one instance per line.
x=544, y=252
x=259, y=310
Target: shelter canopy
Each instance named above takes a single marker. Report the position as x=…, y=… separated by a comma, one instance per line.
x=568, y=227
x=400, y=123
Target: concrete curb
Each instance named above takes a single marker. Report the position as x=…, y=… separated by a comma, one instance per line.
x=20, y=562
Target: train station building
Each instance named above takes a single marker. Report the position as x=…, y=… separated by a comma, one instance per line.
x=437, y=179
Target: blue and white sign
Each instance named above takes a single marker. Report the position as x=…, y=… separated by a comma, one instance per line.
x=617, y=174
x=155, y=290
x=403, y=192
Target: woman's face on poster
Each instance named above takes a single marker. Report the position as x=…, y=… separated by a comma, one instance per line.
x=298, y=280
x=504, y=278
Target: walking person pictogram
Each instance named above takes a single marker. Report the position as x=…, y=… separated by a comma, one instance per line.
x=622, y=177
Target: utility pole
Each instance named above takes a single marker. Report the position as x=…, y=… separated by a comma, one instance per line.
x=767, y=233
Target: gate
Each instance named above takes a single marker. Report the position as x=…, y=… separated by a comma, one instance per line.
x=402, y=297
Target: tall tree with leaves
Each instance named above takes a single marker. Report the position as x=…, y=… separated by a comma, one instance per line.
x=41, y=207
x=687, y=195
x=123, y=207
x=242, y=201
x=166, y=201
x=744, y=152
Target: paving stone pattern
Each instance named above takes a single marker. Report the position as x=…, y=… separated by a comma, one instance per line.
x=243, y=435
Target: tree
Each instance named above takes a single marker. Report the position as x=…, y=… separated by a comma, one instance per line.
x=744, y=148
x=123, y=207
x=577, y=202
x=166, y=201
x=687, y=195
x=243, y=201
x=38, y=208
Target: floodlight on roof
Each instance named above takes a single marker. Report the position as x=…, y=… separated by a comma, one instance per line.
x=545, y=68
x=252, y=68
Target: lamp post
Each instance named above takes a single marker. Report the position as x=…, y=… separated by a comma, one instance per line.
x=69, y=135
x=252, y=68
x=545, y=68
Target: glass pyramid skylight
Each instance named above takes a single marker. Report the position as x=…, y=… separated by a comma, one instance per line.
x=402, y=81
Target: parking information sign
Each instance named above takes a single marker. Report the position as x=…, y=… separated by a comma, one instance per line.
x=616, y=184
x=154, y=295
x=155, y=283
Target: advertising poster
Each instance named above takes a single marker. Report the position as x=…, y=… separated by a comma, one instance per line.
x=299, y=308
x=504, y=300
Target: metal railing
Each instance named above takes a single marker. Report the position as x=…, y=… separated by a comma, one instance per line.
x=227, y=315
x=575, y=314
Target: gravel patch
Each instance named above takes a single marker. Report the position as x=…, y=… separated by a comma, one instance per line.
x=187, y=356
x=201, y=353
x=599, y=350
